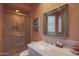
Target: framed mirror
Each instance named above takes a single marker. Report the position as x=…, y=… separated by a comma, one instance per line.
x=55, y=22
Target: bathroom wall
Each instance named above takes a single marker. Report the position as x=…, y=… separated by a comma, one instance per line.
x=74, y=21
x=37, y=11
x=73, y=27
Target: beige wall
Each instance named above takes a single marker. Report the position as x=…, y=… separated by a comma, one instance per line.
x=38, y=11
x=74, y=21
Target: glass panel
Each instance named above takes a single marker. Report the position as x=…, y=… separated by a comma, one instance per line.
x=51, y=23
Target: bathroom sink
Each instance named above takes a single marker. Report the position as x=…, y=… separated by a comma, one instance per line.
x=43, y=45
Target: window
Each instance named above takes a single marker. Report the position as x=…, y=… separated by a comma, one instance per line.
x=56, y=21
x=51, y=23
x=59, y=24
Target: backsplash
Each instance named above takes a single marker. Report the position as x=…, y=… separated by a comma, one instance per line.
x=66, y=43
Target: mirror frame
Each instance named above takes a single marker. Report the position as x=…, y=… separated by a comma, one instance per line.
x=65, y=10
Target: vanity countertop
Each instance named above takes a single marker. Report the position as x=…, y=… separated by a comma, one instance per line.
x=46, y=49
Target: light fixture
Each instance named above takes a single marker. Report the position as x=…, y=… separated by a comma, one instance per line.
x=17, y=11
